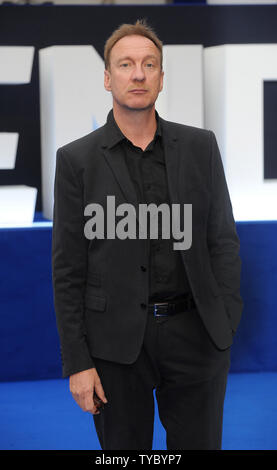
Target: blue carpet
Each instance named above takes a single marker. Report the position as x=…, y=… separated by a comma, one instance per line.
x=42, y=415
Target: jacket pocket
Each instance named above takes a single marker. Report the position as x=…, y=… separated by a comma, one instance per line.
x=94, y=302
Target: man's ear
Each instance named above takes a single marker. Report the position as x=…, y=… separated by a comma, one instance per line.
x=107, y=80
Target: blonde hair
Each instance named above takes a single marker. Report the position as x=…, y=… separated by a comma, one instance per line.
x=140, y=28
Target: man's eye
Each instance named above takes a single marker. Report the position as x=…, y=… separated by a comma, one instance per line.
x=124, y=65
x=149, y=65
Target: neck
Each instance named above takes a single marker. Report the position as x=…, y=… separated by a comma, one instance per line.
x=138, y=126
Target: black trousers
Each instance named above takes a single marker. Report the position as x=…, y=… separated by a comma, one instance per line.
x=189, y=375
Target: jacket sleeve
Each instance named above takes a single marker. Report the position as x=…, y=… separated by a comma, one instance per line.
x=69, y=266
x=223, y=241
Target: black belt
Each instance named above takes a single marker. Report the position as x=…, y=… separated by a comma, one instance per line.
x=164, y=309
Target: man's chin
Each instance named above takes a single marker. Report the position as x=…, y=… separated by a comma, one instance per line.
x=139, y=107
x=135, y=106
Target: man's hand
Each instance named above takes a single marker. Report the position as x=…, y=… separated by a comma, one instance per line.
x=83, y=385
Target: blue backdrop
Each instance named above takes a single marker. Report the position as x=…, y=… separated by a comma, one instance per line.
x=29, y=345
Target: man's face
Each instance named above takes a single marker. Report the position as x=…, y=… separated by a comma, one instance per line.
x=135, y=77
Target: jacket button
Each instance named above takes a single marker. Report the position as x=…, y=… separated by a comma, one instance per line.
x=143, y=306
x=143, y=268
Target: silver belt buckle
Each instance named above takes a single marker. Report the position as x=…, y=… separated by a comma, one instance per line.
x=161, y=304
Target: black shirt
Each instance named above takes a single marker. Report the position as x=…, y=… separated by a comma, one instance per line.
x=147, y=169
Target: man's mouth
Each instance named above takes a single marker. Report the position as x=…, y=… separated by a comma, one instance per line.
x=138, y=91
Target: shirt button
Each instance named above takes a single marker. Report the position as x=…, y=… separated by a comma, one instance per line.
x=143, y=268
x=143, y=306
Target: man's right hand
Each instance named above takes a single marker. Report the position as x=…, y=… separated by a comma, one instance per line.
x=83, y=385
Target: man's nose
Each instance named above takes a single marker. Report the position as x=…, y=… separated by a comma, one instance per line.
x=138, y=73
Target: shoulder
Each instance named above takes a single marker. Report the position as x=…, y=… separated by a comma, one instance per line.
x=81, y=152
x=84, y=145
x=199, y=142
x=182, y=131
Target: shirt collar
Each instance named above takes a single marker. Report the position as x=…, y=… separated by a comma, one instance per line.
x=114, y=134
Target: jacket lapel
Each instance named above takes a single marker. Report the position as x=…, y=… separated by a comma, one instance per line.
x=116, y=161
x=171, y=155
x=174, y=175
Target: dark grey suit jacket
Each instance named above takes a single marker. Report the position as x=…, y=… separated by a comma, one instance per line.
x=100, y=289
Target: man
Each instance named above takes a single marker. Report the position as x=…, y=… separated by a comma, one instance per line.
x=134, y=314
